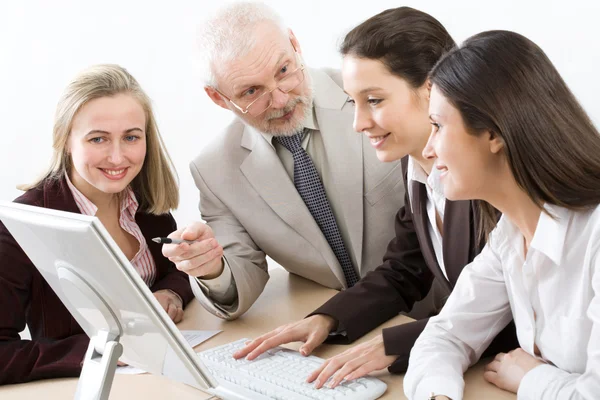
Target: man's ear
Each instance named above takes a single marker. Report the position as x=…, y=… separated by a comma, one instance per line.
x=294, y=41
x=496, y=142
x=215, y=97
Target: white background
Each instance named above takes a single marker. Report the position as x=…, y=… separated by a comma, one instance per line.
x=43, y=44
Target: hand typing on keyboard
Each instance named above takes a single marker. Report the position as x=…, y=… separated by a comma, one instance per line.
x=281, y=374
x=312, y=331
x=353, y=363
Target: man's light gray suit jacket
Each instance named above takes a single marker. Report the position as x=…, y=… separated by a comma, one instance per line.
x=250, y=202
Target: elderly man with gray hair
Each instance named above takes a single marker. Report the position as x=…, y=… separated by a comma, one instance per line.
x=288, y=178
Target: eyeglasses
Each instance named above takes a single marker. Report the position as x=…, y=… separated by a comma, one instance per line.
x=257, y=101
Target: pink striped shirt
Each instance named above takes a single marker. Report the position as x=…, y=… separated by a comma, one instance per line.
x=142, y=261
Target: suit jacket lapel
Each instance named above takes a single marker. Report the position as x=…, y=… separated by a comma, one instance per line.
x=268, y=177
x=458, y=236
x=58, y=196
x=421, y=222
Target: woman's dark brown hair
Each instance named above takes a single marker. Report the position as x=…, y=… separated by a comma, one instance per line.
x=504, y=83
x=408, y=42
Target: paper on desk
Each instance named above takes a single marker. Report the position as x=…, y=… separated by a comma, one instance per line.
x=194, y=338
x=129, y=370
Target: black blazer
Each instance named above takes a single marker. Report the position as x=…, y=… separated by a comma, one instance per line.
x=58, y=343
x=406, y=276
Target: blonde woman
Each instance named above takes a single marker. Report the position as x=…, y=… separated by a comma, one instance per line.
x=108, y=161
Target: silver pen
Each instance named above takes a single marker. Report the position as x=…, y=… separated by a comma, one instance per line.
x=166, y=240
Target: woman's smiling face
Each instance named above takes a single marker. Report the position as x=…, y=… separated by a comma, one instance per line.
x=107, y=144
x=469, y=163
x=387, y=109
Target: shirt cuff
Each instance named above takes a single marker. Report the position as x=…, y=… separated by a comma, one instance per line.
x=338, y=333
x=439, y=386
x=220, y=284
x=219, y=289
x=536, y=381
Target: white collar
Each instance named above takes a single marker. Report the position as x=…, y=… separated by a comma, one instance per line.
x=416, y=173
x=551, y=231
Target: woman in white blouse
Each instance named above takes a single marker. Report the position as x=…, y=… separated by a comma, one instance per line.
x=507, y=131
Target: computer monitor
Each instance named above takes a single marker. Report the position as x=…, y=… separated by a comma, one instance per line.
x=108, y=298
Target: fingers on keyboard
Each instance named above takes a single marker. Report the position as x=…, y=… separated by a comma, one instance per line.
x=282, y=374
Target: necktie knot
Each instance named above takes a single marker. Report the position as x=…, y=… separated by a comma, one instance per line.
x=292, y=143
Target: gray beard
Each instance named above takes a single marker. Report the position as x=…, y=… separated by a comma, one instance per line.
x=299, y=125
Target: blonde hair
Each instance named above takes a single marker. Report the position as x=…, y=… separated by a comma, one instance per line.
x=156, y=185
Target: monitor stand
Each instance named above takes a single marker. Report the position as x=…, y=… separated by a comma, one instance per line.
x=103, y=353
x=99, y=367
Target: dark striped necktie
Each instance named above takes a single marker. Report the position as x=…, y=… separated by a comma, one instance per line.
x=309, y=185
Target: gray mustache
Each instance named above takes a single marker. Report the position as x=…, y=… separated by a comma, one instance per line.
x=289, y=107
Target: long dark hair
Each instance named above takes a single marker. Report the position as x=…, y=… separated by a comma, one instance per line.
x=504, y=83
x=408, y=42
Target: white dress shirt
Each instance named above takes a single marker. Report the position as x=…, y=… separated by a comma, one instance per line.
x=553, y=294
x=436, y=202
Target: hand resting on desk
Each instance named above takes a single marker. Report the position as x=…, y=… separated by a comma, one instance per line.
x=507, y=370
x=171, y=303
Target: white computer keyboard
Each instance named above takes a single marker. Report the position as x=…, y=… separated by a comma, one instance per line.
x=281, y=374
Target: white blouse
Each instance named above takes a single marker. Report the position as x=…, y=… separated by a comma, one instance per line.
x=436, y=203
x=553, y=295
